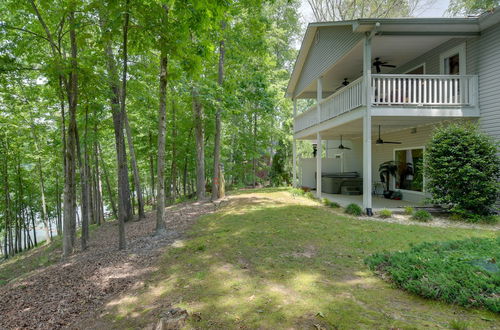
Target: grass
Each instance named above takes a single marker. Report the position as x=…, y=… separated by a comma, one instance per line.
x=272, y=260
x=463, y=272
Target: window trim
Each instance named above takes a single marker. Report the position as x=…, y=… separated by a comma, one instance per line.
x=416, y=67
x=461, y=51
x=423, y=192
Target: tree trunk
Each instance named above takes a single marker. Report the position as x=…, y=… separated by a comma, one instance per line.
x=108, y=185
x=162, y=127
x=58, y=208
x=69, y=220
x=124, y=206
x=97, y=186
x=151, y=169
x=173, y=174
x=200, y=143
x=135, y=170
x=7, y=212
x=133, y=161
x=84, y=183
x=216, y=184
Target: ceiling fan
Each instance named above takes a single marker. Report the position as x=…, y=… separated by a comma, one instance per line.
x=341, y=146
x=378, y=64
x=345, y=82
x=380, y=141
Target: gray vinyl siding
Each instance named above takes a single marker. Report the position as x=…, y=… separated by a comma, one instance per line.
x=334, y=43
x=489, y=81
x=483, y=59
x=431, y=58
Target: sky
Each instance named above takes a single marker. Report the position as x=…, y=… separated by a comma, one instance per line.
x=437, y=9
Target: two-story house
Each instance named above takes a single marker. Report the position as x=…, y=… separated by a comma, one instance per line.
x=380, y=86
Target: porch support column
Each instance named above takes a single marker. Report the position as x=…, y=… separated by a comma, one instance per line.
x=367, y=126
x=294, y=147
x=294, y=166
x=319, y=150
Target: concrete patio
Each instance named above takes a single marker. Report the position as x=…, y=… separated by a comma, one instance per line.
x=378, y=203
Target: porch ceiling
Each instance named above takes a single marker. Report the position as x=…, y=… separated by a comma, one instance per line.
x=396, y=50
x=354, y=129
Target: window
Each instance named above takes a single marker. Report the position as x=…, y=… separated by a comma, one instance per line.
x=409, y=175
x=453, y=60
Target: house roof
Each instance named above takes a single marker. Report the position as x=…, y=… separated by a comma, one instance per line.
x=459, y=27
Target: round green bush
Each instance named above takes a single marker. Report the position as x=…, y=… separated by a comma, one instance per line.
x=384, y=214
x=462, y=169
x=409, y=210
x=354, y=209
x=422, y=215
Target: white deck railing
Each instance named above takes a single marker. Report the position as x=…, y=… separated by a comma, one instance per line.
x=306, y=119
x=396, y=90
x=344, y=100
x=424, y=90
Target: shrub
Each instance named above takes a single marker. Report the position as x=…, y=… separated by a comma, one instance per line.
x=461, y=272
x=409, y=210
x=309, y=195
x=462, y=169
x=354, y=209
x=384, y=214
x=330, y=203
x=422, y=215
x=297, y=192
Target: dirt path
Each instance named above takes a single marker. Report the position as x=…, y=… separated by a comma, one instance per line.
x=61, y=294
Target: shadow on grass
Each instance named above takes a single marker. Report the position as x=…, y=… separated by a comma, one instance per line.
x=265, y=262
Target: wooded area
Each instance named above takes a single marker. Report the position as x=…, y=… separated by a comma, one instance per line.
x=110, y=109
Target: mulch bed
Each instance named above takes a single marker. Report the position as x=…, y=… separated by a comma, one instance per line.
x=61, y=294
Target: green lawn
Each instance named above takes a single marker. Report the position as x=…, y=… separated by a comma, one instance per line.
x=270, y=260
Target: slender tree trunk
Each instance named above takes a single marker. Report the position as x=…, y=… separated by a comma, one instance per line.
x=108, y=185
x=44, y=205
x=7, y=211
x=58, y=208
x=124, y=206
x=216, y=191
x=69, y=222
x=98, y=186
x=254, y=161
x=173, y=174
x=151, y=169
x=200, y=143
x=84, y=183
x=42, y=186
x=133, y=161
x=162, y=127
x=184, y=176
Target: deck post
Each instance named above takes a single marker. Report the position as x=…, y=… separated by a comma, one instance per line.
x=367, y=125
x=294, y=147
x=319, y=150
x=294, y=166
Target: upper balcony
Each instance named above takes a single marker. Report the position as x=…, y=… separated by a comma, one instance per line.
x=399, y=95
